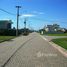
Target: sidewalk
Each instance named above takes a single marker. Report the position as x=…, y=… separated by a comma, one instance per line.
x=8, y=48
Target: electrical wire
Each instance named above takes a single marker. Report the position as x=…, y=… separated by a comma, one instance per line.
x=40, y=19
x=7, y=12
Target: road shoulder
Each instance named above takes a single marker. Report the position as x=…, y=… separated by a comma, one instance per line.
x=59, y=48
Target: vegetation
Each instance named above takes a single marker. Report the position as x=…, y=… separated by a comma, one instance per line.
x=7, y=32
x=64, y=34
x=6, y=38
x=61, y=42
x=10, y=32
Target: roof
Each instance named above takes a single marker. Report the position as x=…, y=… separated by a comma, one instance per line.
x=6, y=21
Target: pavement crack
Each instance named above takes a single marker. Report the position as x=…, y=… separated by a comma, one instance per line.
x=15, y=52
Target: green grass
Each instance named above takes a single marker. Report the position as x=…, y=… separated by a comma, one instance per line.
x=61, y=42
x=65, y=34
x=5, y=38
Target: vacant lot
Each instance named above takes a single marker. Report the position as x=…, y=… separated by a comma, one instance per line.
x=5, y=38
x=61, y=42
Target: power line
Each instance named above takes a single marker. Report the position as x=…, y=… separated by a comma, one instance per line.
x=7, y=12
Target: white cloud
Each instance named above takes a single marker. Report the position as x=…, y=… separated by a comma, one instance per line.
x=28, y=15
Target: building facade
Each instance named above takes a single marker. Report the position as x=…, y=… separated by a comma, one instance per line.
x=5, y=24
x=52, y=28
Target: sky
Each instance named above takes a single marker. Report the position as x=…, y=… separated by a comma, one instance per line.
x=38, y=13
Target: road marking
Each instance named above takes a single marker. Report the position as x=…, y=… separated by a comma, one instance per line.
x=42, y=54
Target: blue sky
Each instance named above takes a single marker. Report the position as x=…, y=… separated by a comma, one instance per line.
x=38, y=12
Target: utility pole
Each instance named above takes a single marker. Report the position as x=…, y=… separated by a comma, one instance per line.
x=25, y=26
x=25, y=23
x=17, y=19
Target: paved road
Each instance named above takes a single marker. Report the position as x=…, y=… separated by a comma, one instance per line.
x=8, y=48
x=36, y=52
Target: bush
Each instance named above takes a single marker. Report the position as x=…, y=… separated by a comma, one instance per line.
x=9, y=32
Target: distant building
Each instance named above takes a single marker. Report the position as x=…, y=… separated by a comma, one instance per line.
x=5, y=24
x=63, y=29
x=52, y=28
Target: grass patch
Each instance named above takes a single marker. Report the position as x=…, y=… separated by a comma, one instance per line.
x=65, y=34
x=6, y=38
x=61, y=42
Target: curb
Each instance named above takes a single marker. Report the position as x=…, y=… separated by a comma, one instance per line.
x=59, y=48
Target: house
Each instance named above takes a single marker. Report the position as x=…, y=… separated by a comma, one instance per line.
x=5, y=24
x=52, y=28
